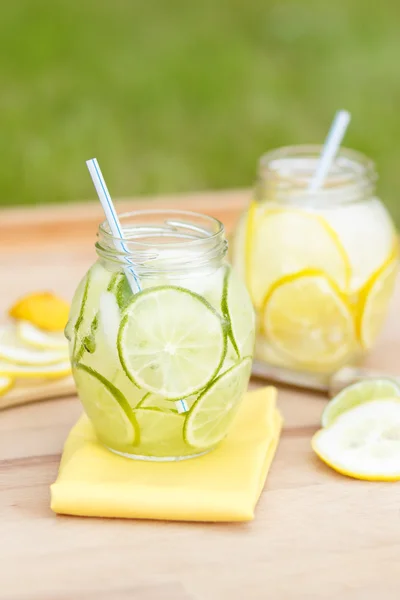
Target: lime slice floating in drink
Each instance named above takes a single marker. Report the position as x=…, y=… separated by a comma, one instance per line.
x=106, y=407
x=161, y=433
x=171, y=341
x=238, y=310
x=359, y=393
x=211, y=415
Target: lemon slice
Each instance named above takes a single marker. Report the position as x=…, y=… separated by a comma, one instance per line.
x=171, y=341
x=106, y=407
x=5, y=384
x=306, y=319
x=211, y=415
x=359, y=393
x=37, y=338
x=281, y=242
x=375, y=299
x=363, y=442
x=55, y=371
x=13, y=350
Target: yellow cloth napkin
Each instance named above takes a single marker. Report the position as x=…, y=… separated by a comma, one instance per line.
x=223, y=485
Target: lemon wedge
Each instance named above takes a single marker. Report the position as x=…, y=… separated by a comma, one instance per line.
x=5, y=384
x=285, y=241
x=37, y=338
x=306, y=318
x=13, y=350
x=363, y=442
x=61, y=369
x=375, y=298
x=43, y=309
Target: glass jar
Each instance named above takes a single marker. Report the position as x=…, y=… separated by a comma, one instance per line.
x=320, y=266
x=161, y=368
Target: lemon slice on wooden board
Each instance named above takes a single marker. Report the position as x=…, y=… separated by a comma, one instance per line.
x=15, y=351
x=43, y=309
x=375, y=298
x=364, y=442
x=282, y=241
x=38, y=338
x=5, y=384
x=55, y=371
x=308, y=320
x=361, y=392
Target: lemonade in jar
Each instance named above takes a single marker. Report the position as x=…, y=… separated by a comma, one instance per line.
x=161, y=369
x=320, y=266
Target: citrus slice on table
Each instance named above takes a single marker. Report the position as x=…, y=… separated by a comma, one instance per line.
x=283, y=241
x=238, y=310
x=361, y=392
x=5, y=384
x=306, y=318
x=38, y=338
x=15, y=351
x=43, y=309
x=171, y=341
x=55, y=371
x=363, y=442
x=106, y=407
x=211, y=415
x=375, y=301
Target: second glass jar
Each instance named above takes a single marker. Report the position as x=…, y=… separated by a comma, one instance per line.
x=320, y=266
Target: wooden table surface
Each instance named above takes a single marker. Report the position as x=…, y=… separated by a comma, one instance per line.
x=316, y=534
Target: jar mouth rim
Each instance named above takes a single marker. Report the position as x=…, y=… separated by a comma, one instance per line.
x=348, y=162
x=207, y=227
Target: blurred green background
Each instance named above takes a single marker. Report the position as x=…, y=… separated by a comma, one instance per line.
x=180, y=95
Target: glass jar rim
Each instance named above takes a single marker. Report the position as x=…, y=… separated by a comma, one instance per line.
x=159, y=239
x=288, y=171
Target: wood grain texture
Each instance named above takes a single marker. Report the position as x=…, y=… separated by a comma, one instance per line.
x=316, y=535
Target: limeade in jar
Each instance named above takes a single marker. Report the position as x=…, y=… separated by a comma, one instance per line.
x=320, y=267
x=161, y=371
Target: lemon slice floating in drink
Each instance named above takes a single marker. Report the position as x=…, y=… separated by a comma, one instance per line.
x=280, y=242
x=307, y=319
x=363, y=442
x=171, y=341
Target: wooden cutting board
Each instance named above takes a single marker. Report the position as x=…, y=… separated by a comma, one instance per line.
x=316, y=535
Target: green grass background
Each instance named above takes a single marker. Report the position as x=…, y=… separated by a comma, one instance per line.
x=175, y=95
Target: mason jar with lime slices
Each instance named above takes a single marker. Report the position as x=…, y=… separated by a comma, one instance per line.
x=320, y=265
x=161, y=370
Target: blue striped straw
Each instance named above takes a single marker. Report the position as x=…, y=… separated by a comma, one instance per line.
x=112, y=220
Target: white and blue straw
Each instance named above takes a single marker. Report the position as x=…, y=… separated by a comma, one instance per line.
x=331, y=146
x=113, y=221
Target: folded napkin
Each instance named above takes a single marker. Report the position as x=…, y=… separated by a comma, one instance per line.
x=223, y=485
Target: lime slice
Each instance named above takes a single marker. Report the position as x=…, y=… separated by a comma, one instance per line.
x=5, y=384
x=238, y=310
x=375, y=302
x=75, y=309
x=97, y=281
x=171, y=341
x=359, y=393
x=161, y=433
x=55, y=371
x=157, y=402
x=106, y=407
x=306, y=319
x=211, y=415
x=37, y=338
x=276, y=247
x=15, y=351
x=363, y=442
